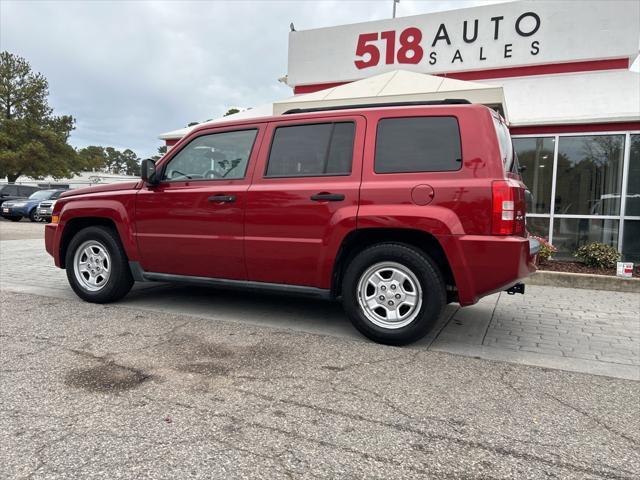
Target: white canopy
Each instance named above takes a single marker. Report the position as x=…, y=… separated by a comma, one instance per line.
x=396, y=86
x=558, y=99
x=256, y=112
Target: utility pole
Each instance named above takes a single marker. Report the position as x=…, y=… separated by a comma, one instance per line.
x=394, y=7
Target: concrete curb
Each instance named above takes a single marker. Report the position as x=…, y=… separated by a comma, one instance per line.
x=586, y=281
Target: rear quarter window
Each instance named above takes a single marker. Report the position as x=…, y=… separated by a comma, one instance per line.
x=418, y=144
x=506, y=147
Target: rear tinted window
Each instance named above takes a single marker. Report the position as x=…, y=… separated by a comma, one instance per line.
x=26, y=191
x=418, y=144
x=311, y=150
x=9, y=190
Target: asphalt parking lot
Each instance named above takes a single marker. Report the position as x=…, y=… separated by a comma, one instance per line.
x=177, y=382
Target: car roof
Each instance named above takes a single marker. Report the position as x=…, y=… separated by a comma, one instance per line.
x=338, y=111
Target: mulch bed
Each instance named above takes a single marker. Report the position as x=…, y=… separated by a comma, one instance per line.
x=578, y=267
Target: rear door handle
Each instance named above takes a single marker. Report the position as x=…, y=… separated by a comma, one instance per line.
x=327, y=197
x=222, y=198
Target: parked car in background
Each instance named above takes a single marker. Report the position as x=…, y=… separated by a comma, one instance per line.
x=45, y=208
x=396, y=210
x=14, y=192
x=14, y=210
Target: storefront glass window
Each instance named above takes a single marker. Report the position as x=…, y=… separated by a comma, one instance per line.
x=538, y=226
x=571, y=233
x=589, y=176
x=631, y=241
x=536, y=155
x=633, y=185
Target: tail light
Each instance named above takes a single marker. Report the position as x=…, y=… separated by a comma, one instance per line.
x=508, y=215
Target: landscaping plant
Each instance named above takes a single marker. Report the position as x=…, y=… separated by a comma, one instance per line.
x=598, y=255
x=546, y=249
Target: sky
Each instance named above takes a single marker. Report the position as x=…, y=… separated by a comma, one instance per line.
x=130, y=70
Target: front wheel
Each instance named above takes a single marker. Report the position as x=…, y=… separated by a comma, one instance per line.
x=393, y=293
x=97, y=266
x=33, y=215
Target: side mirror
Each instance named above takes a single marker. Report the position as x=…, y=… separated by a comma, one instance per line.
x=148, y=172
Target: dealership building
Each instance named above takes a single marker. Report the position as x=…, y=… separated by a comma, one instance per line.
x=558, y=71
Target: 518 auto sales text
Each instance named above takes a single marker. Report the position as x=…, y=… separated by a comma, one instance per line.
x=408, y=49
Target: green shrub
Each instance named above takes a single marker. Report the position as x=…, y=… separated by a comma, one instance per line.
x=546, y=249
x=598, y=255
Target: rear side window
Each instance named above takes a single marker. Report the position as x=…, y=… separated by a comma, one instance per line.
x=418, y=144
x=321, y=149
x=26, y=191
x=10, y=190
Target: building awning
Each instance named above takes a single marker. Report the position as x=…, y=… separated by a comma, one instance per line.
x=577, y=98
x=396, y=86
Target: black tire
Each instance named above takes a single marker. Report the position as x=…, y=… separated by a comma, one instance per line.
x=14, y=219
x=120, y=280
x=33, y=215
x=424, y=270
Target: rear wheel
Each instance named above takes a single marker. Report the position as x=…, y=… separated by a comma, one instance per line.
x=393, y=293
x=14, y=219
x=97, y=266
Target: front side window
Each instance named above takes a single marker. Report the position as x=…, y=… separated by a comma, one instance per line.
x=418, y=144
x=321, y=149
x=215, y=156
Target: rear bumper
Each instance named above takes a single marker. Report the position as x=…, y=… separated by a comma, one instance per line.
x=13, y=212
x=483, y=265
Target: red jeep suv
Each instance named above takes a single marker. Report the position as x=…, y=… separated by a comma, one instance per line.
x=394, y=209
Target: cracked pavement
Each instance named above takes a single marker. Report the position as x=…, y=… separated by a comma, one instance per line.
x=106, y=391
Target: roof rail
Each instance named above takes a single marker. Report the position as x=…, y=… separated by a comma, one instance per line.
x=446, y=101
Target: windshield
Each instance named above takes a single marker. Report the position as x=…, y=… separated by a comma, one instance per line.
x=42, y=195
x=504, y=140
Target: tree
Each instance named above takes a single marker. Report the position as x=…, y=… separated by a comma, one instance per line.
x=161, y=151
x=110, y=160
x=131, y=163
x=231, y=111
x=33, y=141
x=94, y=157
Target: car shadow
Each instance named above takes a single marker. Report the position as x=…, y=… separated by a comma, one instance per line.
x=256, y=308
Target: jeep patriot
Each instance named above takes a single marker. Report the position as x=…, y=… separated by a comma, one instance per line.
x=395, y=210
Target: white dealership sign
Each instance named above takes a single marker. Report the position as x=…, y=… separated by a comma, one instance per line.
x=505, y=35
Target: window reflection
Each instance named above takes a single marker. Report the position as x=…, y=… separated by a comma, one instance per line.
x=571, y=233
x=536, y=155
x=631, y=241
x=589, y=177
x=633, y=184
x=538, y=226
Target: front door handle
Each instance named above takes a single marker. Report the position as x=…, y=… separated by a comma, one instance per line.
x=327, y=197
x=222, y=198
